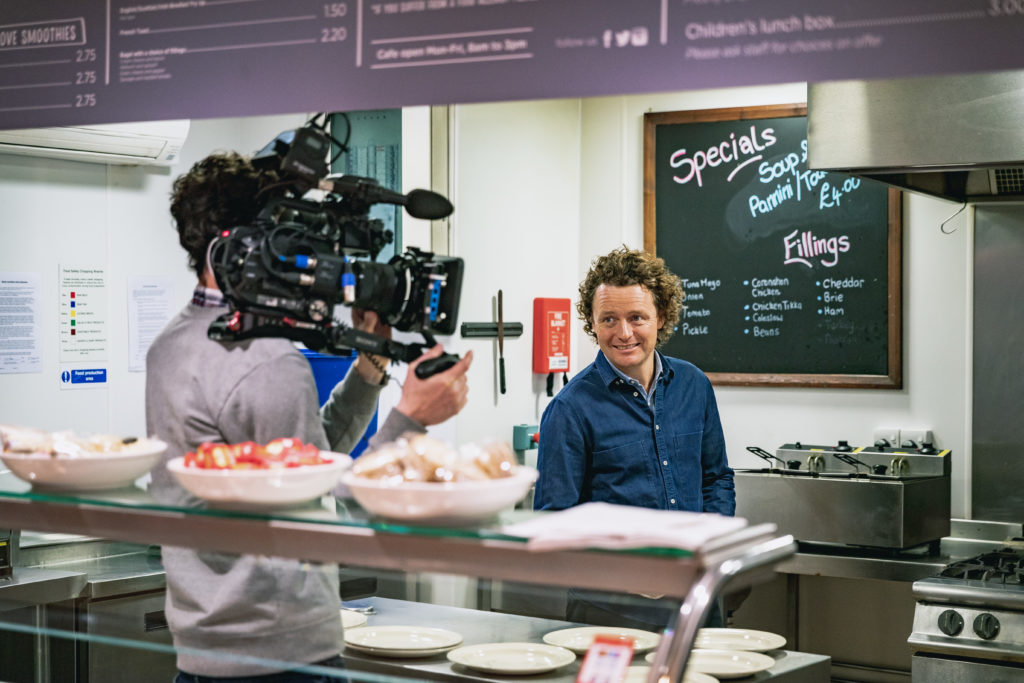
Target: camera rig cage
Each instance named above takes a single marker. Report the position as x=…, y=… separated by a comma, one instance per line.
x=283, y=275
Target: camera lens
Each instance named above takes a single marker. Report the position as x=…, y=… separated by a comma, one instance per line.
x=382, y=288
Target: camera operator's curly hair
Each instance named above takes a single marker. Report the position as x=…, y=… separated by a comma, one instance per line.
x=218, y=193
x=624, y=267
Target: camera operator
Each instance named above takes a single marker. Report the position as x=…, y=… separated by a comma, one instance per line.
x=241, y=609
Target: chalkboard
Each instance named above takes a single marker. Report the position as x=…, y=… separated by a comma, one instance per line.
x=792, y=276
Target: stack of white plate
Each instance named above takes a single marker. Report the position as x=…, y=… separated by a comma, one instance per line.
x=517, y=659
x=401, y=641
x=580, y=639
x=738, y=639
x=731, y=652
x=638, y=674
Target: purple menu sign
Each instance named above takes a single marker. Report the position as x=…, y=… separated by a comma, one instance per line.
x=90, y=61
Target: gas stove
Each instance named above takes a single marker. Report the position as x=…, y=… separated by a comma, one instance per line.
x=970, y=620
x=1005, y=566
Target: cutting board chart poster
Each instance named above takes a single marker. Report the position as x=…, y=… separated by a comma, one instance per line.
x=792, y=276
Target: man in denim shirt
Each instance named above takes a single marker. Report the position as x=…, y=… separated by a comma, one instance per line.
x=635, y=427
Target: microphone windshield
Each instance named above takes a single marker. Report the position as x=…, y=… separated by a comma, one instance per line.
x=427, y=204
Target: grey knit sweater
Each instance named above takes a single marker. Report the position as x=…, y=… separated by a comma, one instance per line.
x=226, y=612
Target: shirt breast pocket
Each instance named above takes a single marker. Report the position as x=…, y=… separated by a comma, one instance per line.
x=687, y=469
x=623, y=475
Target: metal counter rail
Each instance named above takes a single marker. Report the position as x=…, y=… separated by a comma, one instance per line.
x=671, y=655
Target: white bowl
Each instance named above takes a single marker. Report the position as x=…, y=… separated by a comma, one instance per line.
x=448, y=502
x=281, y=486
x=90, y=472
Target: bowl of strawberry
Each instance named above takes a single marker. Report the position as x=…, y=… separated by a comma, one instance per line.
x=282, y=472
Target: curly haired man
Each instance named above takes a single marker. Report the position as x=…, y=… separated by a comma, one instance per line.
x=635, y=427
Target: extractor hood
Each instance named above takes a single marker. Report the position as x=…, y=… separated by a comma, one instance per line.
x=956, y=137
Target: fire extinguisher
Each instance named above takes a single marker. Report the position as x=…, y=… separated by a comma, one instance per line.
x=551, y=322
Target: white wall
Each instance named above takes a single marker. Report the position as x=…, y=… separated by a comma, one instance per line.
x=114, y=216
x=517, y=224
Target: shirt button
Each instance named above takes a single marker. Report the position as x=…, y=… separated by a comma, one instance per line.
x=673, y=501
x=665, y=463
x=635, y=394
x=657, y=426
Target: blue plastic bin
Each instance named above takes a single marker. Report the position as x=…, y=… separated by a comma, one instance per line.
x=327, y=371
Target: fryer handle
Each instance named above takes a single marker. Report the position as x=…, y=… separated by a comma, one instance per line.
x=765, y=455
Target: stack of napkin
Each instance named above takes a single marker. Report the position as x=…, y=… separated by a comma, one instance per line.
x=604, y=525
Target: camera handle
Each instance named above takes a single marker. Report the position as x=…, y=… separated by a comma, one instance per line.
x=336, y=340
x=351, y=338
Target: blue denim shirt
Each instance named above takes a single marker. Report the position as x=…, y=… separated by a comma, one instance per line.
x=601, y=441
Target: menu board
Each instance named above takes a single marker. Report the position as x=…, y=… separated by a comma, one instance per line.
x=792, y=276
x=68, y=62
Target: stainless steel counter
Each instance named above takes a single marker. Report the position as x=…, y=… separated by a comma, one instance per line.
x=111, y=567
x=31, y=586
x=479, y=627
x=968, y=538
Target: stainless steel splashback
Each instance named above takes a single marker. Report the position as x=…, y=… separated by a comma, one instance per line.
x=997, y=455
x=958, y=137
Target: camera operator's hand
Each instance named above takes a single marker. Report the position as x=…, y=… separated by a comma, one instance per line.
x=433, y=400
x=371, y=368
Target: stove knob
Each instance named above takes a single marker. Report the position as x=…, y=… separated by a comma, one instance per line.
x=986, y=626
x=951, y=623
x=844, y=447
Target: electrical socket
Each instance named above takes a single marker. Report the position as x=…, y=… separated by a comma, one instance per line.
x=888, y=434
x=918, y=436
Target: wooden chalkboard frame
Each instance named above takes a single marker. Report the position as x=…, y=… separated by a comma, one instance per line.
x=893, y=379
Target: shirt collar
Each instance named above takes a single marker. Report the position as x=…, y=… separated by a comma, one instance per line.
x=609, y=373
x=205, y=297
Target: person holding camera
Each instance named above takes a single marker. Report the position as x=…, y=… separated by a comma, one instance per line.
x=635, y=427
x=251, y=618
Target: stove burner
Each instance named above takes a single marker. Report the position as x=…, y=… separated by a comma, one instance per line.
x=1001, y=566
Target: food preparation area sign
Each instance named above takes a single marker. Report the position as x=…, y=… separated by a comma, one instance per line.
x=92, y=61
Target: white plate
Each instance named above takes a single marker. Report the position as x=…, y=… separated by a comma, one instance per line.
x=350, y=619
x=728, y=663
x=401, y=641
x=579, y=639
x=512, y=658
x=91, y=472
x=690, y=676
x=698, y=677
x=636, y=674
x=280, y=486
x=440, y=503
x=738, y=639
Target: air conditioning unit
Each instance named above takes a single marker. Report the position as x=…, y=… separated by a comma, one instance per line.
x=147, y=143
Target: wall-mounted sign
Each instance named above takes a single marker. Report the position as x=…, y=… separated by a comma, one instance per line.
x=82, y=313
x=91, y=61
x=792, y=276
x=19, y=323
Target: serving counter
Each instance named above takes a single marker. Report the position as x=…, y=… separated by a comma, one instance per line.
x=338, y=531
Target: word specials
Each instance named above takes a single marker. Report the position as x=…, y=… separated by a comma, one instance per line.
x=787, y=176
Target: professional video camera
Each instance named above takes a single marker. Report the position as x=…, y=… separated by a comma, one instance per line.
x=283, y=275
